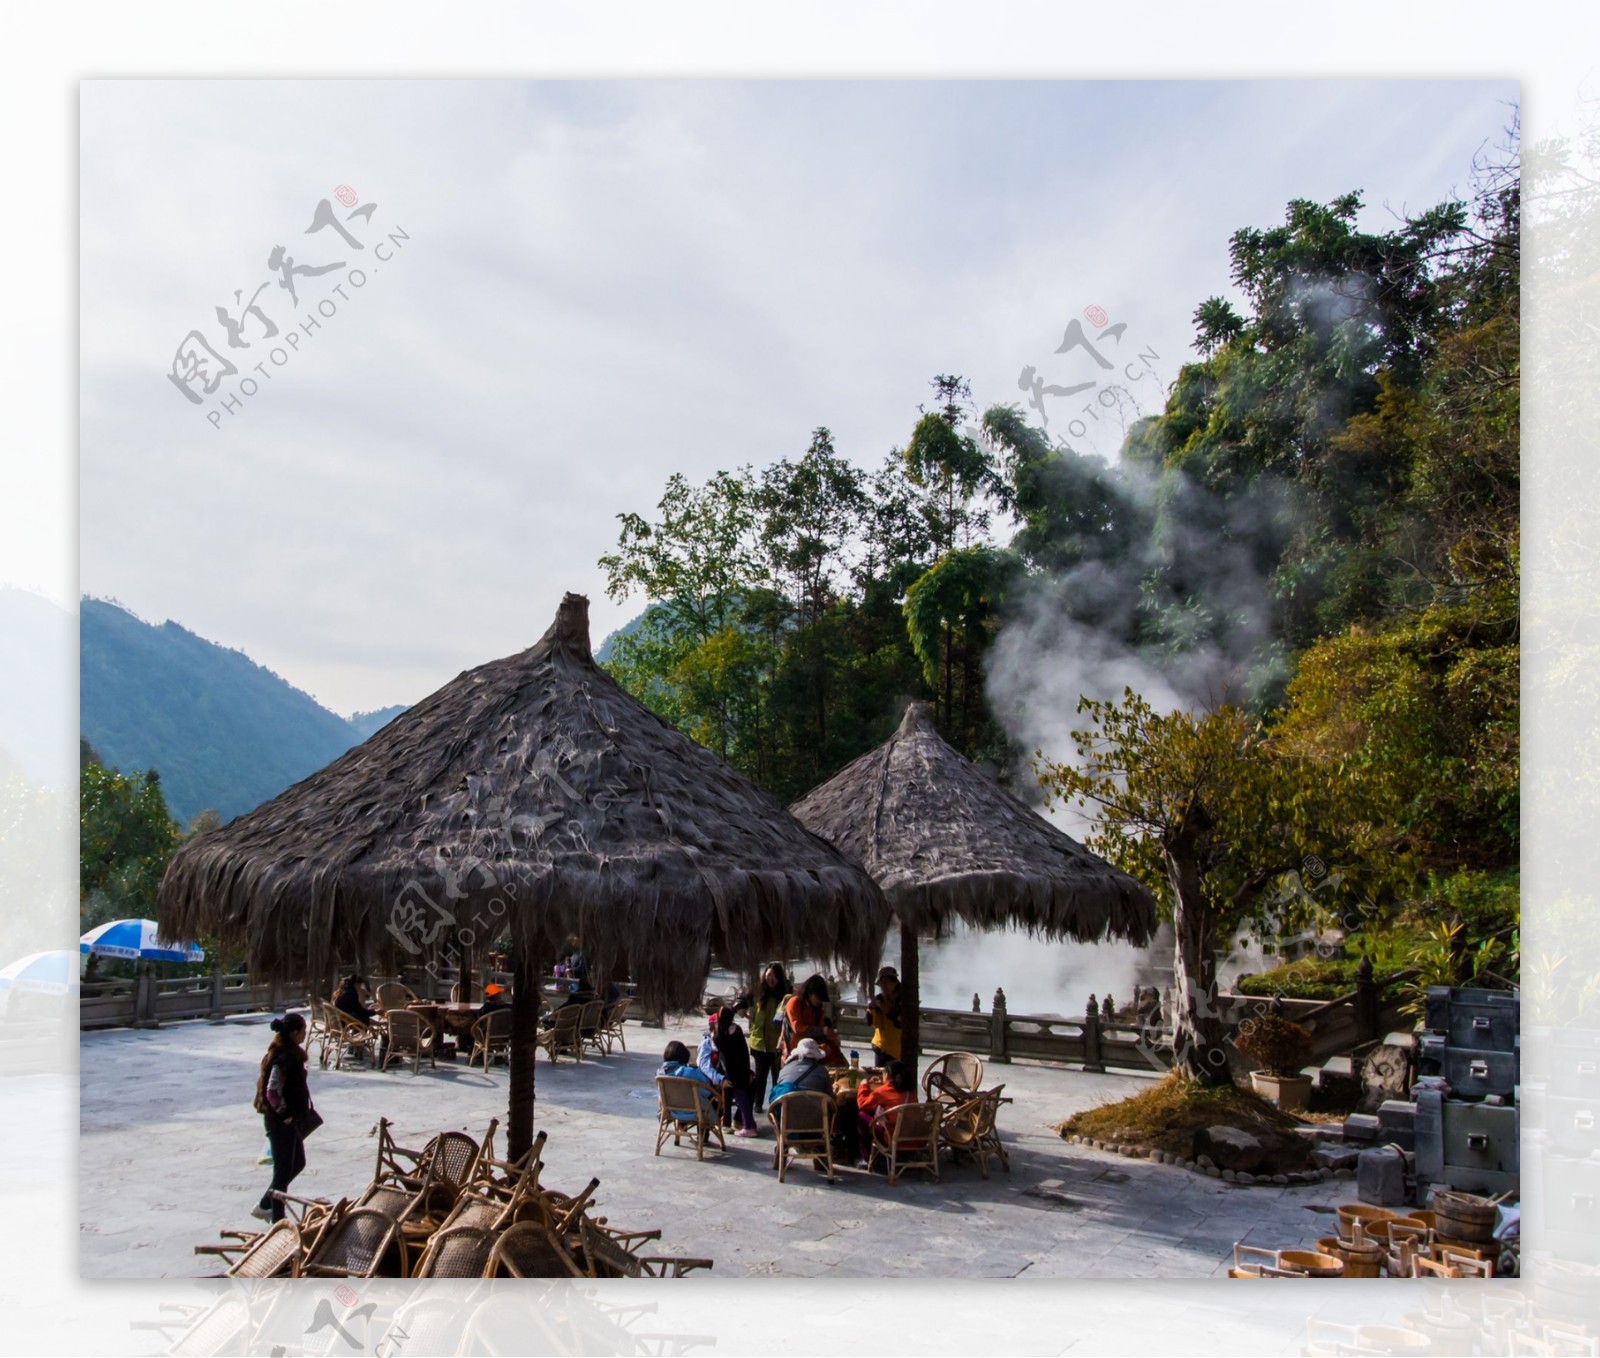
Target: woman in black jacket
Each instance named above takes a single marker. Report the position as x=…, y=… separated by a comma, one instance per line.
x=283, y=1098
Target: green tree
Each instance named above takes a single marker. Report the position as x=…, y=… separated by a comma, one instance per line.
x=697, y=560
x=125, y=838
x=1210, y=814
x=952, y=467
x=952, y=614
x=811, y=511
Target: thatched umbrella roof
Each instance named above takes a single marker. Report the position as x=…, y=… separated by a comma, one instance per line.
x=944, y=841
x=533, y=796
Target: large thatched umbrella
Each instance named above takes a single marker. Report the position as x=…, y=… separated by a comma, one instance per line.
x=945, y=841
x=533, y=796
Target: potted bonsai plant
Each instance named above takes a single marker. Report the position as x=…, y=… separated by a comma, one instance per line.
x=1278, y=1048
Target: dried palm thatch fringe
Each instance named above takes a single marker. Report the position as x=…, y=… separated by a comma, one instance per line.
x=533, y=796
x=944, y=841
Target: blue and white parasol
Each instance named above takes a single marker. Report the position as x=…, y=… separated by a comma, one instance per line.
x=42, y=973
x=136, y=939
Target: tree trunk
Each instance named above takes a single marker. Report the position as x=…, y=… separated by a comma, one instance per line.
x=526, y=976
x=1198, y=1038
x=910, y=999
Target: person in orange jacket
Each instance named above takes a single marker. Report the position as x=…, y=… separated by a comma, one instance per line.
x=896, y=1090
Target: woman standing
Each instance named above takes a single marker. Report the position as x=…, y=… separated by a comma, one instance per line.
x=884, y=1011
x=807, y=1014
x=283, y=1098
x=764, y=1009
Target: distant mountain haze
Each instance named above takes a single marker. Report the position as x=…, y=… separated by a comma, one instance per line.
x=221, y=730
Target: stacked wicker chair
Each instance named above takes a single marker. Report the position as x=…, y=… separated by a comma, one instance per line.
x=452, y=1209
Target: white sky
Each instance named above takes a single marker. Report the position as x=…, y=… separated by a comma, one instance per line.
x=608, y=282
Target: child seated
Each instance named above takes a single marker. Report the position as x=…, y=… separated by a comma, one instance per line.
x=675, y=1061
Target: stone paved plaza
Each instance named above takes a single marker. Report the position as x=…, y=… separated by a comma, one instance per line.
x=168, y=1147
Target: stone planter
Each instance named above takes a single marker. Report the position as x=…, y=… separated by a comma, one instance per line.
x=1290, y=1092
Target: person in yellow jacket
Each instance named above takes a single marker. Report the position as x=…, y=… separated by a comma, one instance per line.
x=884, y=1013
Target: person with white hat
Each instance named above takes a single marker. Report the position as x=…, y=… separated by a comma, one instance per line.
x=806, y=1069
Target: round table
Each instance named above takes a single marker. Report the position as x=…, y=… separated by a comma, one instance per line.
x=449, y=1017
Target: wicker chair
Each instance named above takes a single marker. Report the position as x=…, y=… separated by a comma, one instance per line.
x=953, y=1078
x=505, y=1179
x=452, y=1157
x=392, y=995
x=686, y=1108
x=274, y=1253
x=456, y=1252
x=410, y=1037
x=804, y=1122
x=357, y=1243
x=565, y=1033
x=401, y=1204
x=317, y=1027
x=907, y=1137
x=591, y=1027
x=969, y=1129
x=346, y=1035
x=607, y=1256
x=491, y=1037
x=529, y=1250
x=611, y=1023
x=396, y=1163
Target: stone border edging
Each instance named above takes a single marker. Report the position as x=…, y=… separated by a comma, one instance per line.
x=1301, y=1177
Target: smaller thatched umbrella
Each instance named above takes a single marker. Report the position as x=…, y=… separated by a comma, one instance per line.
x=945, y=841
x=531, y=795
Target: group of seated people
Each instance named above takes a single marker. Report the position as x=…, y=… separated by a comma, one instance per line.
x=350, y=998
x=793, y=1040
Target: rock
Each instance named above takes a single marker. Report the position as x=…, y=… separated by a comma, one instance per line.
x=1343, y=1173
x=1397, y=1122
x=1381, y=1178
x=1213, y=1173
x=1361, y=1127
x=1280, y=1179
x=1228, y=1176
x=1230, y=1147
x=1242, y=1178
x=1205, y=1162
x=1335, y=1157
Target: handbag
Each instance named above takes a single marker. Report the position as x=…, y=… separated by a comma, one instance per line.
x=308, y=1122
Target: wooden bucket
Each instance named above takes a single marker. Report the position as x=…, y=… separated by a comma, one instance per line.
x=1464, y=1217
x=1312, y=1263
x=1380, y=1230
x=1352, y=1212
x=1360, y=1261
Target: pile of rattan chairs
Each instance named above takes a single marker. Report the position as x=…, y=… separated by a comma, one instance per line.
x=449, y=1210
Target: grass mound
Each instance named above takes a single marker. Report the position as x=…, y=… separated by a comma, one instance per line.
x=1166, y=1116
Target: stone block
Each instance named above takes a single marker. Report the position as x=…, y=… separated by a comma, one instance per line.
x=1230, y=1147
x=1381, y=1178
x=1335, y=1157
x=1361, y=1127
x=1397, y=1122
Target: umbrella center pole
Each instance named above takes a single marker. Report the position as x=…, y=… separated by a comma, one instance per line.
x=910, y=999
x=525, y=998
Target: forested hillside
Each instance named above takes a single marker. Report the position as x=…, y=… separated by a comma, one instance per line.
x=223, y=732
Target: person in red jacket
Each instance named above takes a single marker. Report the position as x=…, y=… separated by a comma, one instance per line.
x=807, y=1014
x=892, y=1092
